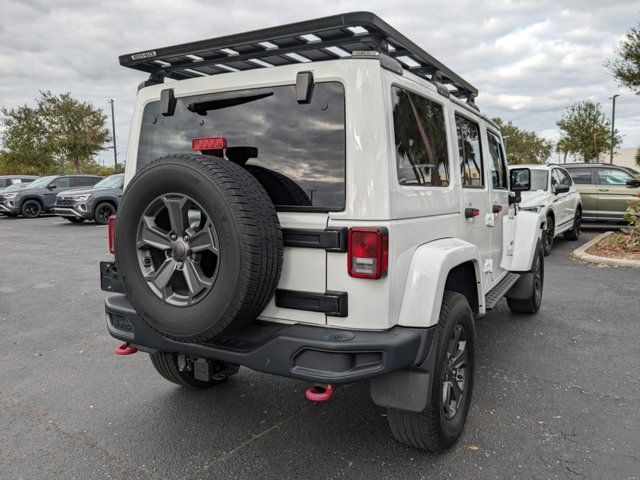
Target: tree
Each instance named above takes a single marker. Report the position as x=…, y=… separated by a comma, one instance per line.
x=76, y=130
x=626, y=66
x=60, y=134
x=585, y=131
x=25, y=140
x=523, y=146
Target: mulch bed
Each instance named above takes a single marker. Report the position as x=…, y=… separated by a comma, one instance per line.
x=615, y=246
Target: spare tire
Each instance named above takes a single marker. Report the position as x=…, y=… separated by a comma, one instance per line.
x=198, y=246
x=281, y=189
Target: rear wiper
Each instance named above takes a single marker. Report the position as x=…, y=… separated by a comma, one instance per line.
x=226, y=100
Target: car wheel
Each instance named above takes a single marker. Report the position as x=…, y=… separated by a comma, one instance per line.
x=74, y=219
x=166, y=364
x=102, y=213
x=437, y=428
x=531, y=304
x=574, y=233
x=31, y=209
x=549, y=234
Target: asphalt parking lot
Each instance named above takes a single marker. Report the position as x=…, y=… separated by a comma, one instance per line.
x=556, y=396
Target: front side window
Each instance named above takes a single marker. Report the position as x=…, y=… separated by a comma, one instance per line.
x=303, y=142
x=421, y=140
x=61, y=182
x=581, y=176
x=471, y=168
x=612, y=176
x=498, y=162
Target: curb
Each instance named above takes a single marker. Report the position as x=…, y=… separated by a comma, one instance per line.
x=580, y=253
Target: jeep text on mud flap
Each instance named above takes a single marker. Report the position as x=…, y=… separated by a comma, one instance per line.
x=323, y=201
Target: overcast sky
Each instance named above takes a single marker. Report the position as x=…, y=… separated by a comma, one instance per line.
x=529, y=59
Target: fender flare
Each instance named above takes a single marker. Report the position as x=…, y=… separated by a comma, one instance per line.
x=428, y=271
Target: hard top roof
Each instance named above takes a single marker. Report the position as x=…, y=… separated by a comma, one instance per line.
x=315, y=40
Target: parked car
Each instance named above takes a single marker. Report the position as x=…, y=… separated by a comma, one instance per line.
x=389, y=191
x=40, y=195
x=9, y=190
x=97, y=203
x=554, y=195
x=606, y=190
x=8, y=180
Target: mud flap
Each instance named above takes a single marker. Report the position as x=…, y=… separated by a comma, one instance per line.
x=406, y=389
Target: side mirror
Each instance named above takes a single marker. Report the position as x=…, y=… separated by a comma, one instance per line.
x=52, y=187
x=520, y=180
x=560, y=188
x=633, y=183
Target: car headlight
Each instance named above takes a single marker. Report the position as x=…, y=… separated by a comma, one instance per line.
x=9, y=196
x=81, y=198
x=536, y=209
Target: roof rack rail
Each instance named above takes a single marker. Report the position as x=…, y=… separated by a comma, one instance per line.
x=315, y=40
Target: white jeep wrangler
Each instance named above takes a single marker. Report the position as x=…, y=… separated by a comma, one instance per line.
x=346, y=216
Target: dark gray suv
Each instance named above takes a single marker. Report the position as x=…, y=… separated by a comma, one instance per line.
x=40, y=195
x=97, y=203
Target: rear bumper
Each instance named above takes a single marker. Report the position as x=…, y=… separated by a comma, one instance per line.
x=317, y=354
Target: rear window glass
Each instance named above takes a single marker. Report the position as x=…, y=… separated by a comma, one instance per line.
x=303, y=142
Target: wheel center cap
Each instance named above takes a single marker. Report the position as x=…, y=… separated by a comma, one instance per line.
x=179, y=249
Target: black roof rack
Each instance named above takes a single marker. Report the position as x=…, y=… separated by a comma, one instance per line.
x=321, y=39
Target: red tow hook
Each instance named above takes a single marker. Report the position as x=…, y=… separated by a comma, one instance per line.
x=125, y=349
x=319, y=393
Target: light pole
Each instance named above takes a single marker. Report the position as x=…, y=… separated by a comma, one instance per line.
x=613, y=125
x=113, y=129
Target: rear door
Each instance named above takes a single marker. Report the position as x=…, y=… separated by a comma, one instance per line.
x=584, y=180
x=613, y=192
x=476, y=201
x=297, y=151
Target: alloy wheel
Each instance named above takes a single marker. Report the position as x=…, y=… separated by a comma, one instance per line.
x=178, y=249
x=455, y=380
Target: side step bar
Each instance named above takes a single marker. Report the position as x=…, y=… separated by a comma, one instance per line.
x=500, y=290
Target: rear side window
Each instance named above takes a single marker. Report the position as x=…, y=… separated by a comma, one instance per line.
x=498, y=162
x=471, y=168
x=421, y=140
x=581, y=176
x=612, y=176
x=301, y=148
x=83, y=181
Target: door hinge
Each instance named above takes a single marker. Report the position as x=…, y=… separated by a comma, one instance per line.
x=488, y=265
x=489, y=220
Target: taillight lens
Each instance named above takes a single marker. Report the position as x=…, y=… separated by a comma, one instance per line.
x=111, y=227
x=208, y=143
x=368, y=252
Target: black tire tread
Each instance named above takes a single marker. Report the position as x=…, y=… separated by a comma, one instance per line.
x=280, y=188
x=257, y=223
x=422, y=430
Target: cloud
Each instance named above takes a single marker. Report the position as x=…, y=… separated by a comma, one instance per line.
x=528, y=59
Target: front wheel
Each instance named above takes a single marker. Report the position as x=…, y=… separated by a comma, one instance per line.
x=31, y=209
x=102, y=213
x=439, y=426
x=166, y=364
x=574, y=233
x=549, y=234
x=531, y=304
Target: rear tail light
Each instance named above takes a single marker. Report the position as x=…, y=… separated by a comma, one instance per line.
x=111, y=228
x=368, y=252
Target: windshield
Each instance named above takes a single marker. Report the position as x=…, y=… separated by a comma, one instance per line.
x=42, y=182
x=113, y=181
x=539, y=180
x=294, y=146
